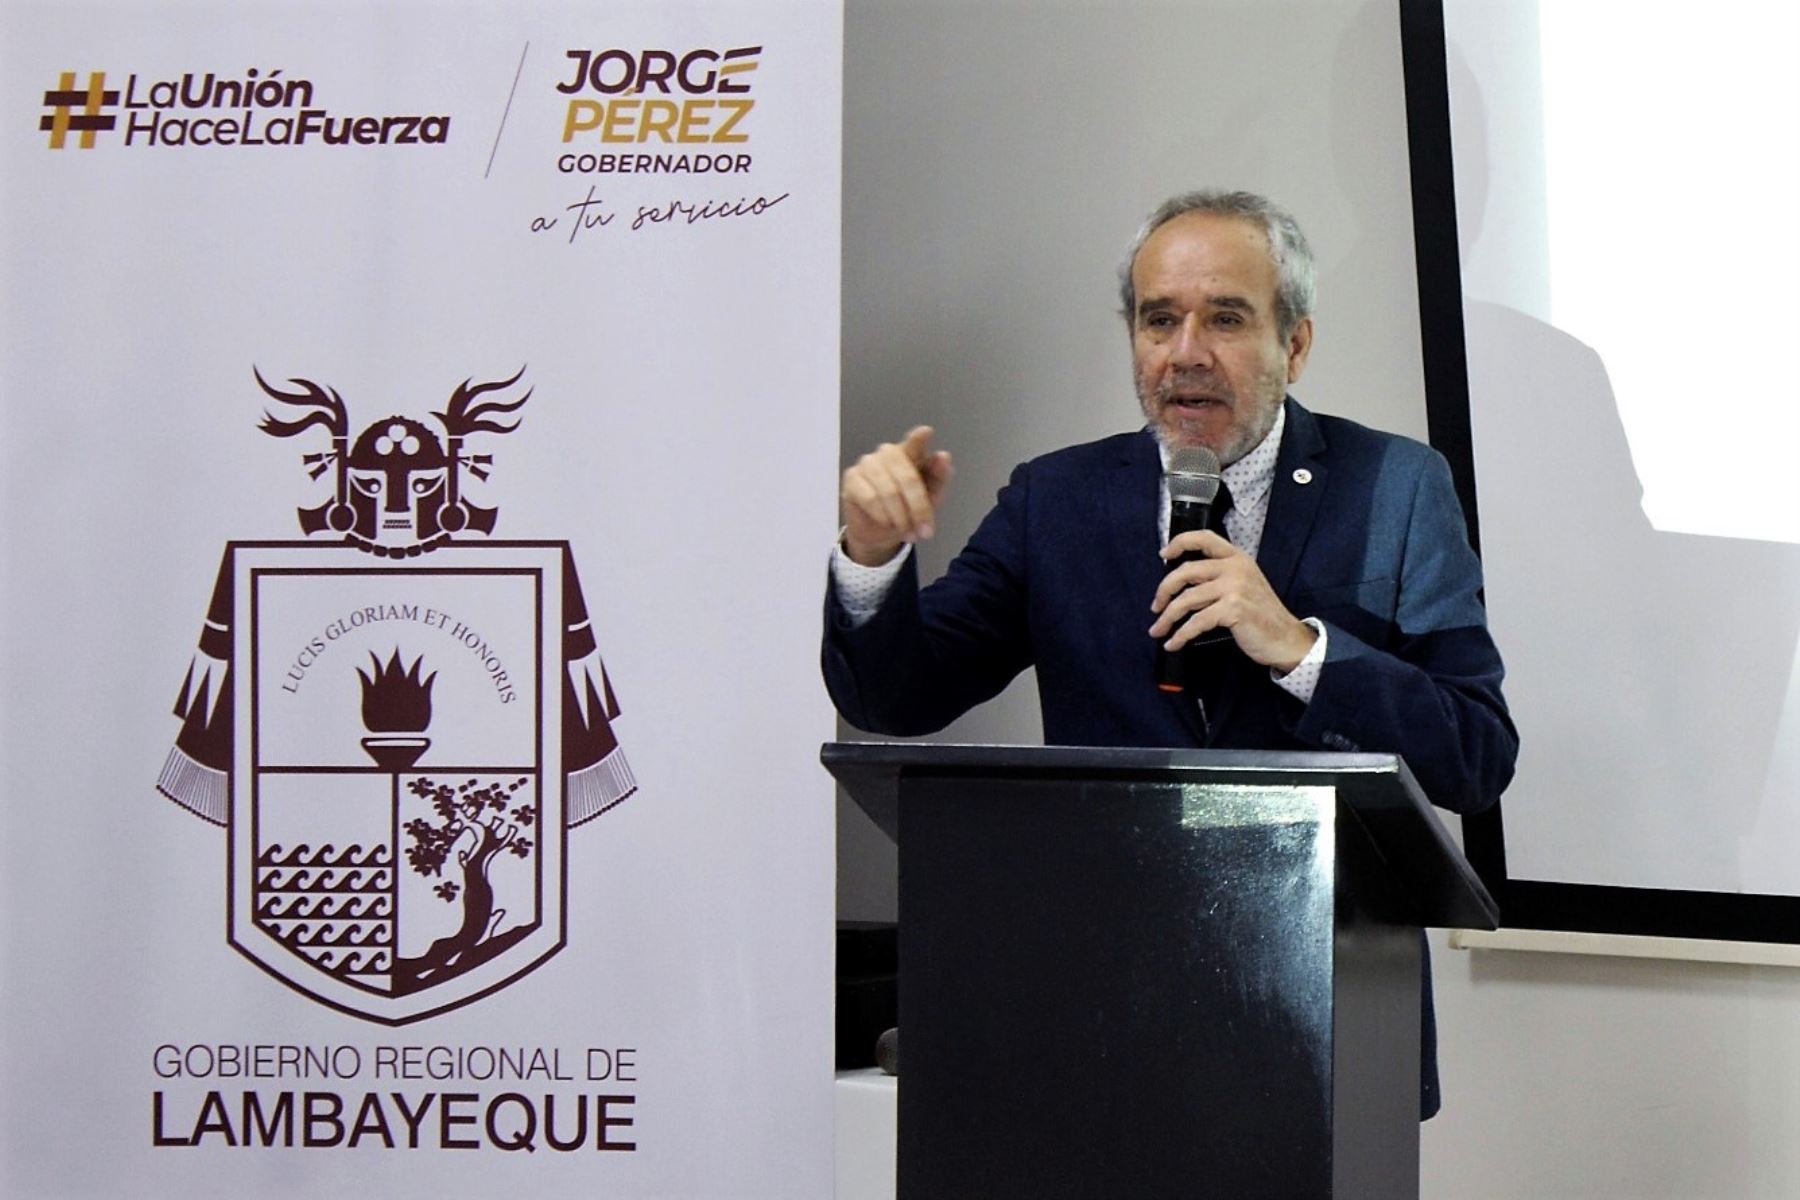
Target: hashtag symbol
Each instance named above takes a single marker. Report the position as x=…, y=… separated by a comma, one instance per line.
x=65, y=98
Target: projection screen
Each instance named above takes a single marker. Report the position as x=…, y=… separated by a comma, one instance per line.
x=1624, y=191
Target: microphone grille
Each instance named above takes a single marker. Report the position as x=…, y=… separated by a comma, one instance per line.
x=1193, y=474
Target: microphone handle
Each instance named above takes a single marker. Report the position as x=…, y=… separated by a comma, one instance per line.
x=1185, y=516
x=1188, y=516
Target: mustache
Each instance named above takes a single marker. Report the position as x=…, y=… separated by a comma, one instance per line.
x=1190, y=382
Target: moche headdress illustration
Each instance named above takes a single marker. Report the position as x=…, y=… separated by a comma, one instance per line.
x=397, y=486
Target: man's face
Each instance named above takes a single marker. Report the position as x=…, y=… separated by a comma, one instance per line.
x=1210, y=365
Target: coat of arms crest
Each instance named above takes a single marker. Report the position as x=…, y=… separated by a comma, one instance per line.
x=398, y=718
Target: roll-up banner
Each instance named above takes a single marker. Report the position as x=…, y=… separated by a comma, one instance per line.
x=416, y=429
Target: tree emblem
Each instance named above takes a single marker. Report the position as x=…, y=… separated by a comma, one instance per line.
x=473, y=825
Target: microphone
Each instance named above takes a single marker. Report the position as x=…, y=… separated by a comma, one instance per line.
x=1193, y=479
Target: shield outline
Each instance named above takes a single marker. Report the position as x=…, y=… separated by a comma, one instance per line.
x=542, y=562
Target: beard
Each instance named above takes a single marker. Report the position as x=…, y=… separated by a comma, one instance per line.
x=1177, y=424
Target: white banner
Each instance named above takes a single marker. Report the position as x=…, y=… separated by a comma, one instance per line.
x=414, y=432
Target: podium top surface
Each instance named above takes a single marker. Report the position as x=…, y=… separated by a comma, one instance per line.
x=887, y=757
x=1377, y=788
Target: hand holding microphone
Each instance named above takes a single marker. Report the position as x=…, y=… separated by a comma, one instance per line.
x=1213, y=591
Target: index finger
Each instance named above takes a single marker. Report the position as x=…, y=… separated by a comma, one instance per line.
x=1197, y=541
x=916, y=445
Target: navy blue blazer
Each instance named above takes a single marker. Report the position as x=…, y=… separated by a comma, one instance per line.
x=1061, y=573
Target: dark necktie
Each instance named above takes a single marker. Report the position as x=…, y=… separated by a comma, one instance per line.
x=1215, y=519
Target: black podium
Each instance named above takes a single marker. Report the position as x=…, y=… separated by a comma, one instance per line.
x=1133, y=974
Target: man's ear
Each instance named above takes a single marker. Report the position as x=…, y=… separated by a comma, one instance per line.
x=1299, y=346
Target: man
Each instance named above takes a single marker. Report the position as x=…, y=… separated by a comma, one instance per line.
x=1347, y=583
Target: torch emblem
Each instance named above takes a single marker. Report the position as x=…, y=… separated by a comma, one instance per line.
x=396, y=710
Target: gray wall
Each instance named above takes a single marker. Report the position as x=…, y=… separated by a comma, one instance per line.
x=997, y=156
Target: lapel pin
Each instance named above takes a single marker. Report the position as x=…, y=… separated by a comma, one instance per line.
x=1302, y=475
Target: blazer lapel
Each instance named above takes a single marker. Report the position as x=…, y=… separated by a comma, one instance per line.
x=1293, y=506
x=1132, y=519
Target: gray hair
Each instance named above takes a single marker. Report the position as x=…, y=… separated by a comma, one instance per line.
x=1287, y=246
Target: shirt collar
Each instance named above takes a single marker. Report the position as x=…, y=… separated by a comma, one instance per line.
x=1249, y=477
